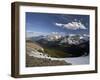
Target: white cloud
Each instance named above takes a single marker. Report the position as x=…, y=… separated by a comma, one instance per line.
x=72, y=25
x=58, y=24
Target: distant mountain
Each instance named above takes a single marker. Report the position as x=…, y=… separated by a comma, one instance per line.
x=53, y=37
x=74, y=44
x=36, y=38
x=75, y=39
x=67, y=39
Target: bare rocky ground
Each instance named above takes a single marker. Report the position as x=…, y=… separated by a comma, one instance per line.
x=34, y=62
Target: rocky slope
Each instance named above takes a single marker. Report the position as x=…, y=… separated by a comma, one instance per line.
x=35, y=56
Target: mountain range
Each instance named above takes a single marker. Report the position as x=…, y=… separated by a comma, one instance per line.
x=74, y=44
x=69, y=38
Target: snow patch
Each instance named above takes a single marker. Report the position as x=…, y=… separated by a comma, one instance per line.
x=73, y=60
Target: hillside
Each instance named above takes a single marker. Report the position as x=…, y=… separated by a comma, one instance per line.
x=36, y=56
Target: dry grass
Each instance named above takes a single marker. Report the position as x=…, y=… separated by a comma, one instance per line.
x=34, y=46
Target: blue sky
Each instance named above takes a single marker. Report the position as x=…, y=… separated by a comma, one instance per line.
x=46, y=23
